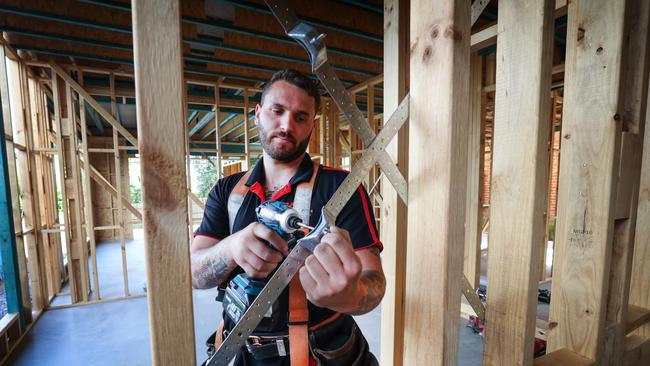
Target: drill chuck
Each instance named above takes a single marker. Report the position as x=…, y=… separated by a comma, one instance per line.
x=279, y=217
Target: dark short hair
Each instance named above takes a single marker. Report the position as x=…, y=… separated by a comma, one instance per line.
x=297, y=79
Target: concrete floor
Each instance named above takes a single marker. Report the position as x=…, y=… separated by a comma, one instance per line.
x=117, y=332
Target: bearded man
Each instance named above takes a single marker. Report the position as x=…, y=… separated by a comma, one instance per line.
x=311, y=321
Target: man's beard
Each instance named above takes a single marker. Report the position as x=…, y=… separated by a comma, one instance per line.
x=285, y=154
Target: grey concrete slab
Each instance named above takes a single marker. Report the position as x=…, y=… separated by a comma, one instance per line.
x=117, y=332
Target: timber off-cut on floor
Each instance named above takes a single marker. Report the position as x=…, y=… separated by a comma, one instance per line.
x=117, y=332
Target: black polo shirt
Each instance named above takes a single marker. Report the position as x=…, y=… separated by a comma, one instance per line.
x=356, y=217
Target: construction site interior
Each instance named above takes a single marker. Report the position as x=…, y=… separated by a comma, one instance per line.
x=523, y=237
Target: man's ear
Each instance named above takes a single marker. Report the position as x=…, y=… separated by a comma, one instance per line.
x=258, y=108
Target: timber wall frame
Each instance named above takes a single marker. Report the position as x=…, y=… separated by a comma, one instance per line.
x=601, y=302
x=585, y=327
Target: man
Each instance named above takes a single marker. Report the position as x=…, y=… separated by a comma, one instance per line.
x=342, y=277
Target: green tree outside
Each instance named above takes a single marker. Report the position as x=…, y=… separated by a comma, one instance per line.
x=206, y=176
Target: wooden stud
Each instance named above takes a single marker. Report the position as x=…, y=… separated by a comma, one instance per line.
x=472, y=257
x=634, y=92
x=519, y=176
x=217, y=131
x=64, y=197
x=31, y=201
x=439, y=89
x=17, y=163
x=247, y=148
x=640, y=286
x=44, y=170
x=373, y=173
x=8, y=249
x=394, y=211
x=79, y=254
x=591, y=143
x=118, y=186
x=159, y=98
x=88, y=206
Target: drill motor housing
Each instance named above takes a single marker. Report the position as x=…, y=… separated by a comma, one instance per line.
x=242, y=290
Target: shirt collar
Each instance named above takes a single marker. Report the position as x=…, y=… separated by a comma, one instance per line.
x=303, y=174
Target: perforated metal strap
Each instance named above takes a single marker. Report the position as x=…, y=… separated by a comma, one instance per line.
x=343, y=100
x=312, y=41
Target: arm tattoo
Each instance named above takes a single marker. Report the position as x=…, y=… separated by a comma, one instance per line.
x=210, y=268
x=375, y=284
x=375, y=251
x=211, y=272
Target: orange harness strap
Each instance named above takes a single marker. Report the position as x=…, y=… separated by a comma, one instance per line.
x=298, y=311
x=298, y=318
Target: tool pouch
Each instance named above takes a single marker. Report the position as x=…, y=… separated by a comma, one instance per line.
x=340, y=343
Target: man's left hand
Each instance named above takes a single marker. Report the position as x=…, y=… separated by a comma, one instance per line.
x=331, y=275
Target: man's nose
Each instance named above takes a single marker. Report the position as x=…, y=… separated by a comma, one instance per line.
x=287, y=122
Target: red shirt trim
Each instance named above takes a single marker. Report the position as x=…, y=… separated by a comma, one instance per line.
x=371, y=227
x=377, y=244
x=336, y=169
x=258, y=190
x=281, y=192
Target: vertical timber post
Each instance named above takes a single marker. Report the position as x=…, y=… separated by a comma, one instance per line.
x=634, y=89
x=640, y=286
x=247, y=146
x=519, y=178
x=472, y=257
x=591, y=134
x=160, y=100
x=217, y=130
x=394, y=210
x=439, y=89
x=8, y=253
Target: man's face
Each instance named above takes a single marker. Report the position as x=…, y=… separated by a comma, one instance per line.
x=285, y=121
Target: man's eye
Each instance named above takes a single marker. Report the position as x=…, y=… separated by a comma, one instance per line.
x=277, y=111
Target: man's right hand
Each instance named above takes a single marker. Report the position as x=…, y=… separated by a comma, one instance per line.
x=248, y=248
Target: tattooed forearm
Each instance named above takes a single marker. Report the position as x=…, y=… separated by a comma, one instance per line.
x=210, y=268
x=375, y=285
x=375, y=251
x=210, y=273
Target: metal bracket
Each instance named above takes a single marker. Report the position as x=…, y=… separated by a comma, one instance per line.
x=312, y=42
x=477, y=8
x=472, y=298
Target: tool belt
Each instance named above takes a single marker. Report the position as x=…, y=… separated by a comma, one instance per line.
x=336, y=341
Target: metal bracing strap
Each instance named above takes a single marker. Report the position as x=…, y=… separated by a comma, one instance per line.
x=312, y=41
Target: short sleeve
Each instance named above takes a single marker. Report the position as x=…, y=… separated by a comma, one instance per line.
x=215, y=216
x=358, y=219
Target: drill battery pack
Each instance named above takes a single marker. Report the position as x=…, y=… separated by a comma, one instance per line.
x=240, y=294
